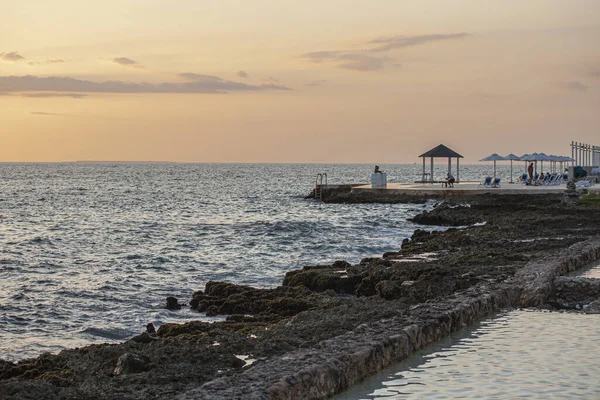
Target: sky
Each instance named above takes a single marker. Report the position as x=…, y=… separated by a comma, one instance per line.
x=336, y=81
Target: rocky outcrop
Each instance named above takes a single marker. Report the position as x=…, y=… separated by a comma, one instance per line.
x=222, y=298
x=132, y=363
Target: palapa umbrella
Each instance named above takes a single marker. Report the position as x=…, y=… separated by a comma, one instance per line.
x=512, y=158
x=494, y=157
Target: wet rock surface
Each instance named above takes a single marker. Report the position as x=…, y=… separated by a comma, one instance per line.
x=328, y=326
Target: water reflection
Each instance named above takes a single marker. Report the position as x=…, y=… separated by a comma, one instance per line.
x=516, y=354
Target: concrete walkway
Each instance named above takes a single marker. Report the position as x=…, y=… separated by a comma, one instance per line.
x=459, y=189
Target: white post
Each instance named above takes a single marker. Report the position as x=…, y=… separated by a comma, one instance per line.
x=431, y=177
x=572, y=153
x=588, y=154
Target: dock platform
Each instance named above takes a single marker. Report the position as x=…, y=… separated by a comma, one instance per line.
x=461, y=189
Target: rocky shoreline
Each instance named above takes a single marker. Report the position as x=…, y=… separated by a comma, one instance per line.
x=327, y=327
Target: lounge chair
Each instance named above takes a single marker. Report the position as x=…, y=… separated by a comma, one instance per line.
x=496, y=183
x=486, y=182
x=587, y=182
x=545, y=180
x=524, y=178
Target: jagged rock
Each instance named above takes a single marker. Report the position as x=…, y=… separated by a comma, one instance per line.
x=132, y=363
x=144, y=337
x=173, y=304
x=150, y=328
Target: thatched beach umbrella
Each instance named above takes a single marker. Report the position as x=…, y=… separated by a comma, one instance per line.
x=494, y=157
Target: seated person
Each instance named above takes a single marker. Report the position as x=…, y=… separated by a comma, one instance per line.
x=540, y=179
x=450, y=180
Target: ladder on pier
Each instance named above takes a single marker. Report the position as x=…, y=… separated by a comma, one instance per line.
x=319, y=185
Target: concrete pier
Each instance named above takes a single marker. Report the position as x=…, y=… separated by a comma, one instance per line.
x=460, y=189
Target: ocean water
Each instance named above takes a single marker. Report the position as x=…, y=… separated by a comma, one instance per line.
x=90, y=251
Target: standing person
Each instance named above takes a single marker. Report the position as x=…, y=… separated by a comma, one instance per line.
x=530, y=172
x=377, y=170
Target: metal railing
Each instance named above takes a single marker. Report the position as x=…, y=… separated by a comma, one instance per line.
x=319, y=185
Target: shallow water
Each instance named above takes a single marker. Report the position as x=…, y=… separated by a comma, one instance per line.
x=515, y=354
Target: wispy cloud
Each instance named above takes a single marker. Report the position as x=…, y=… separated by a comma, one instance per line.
x=319, y=82
x=12, y=56
x=574, y=86
x=50, y=94
x=398, y=42
x=361, y=62
x=48, y=61
x=320, y=56
x=196, y=83
x=45, y=113
x=364, y=60
x=127, y=62
x=355, y=61
x=243, y=74
x=594, y=72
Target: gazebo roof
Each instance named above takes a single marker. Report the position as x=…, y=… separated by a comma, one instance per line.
x=441, y=151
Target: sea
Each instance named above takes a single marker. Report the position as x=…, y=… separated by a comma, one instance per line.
x=90, y=251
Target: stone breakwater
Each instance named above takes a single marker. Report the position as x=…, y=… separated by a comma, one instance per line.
x=327, y=327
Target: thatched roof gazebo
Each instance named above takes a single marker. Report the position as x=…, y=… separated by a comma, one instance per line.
x=441, y=151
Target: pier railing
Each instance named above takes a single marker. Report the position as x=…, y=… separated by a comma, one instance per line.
x=585, y=155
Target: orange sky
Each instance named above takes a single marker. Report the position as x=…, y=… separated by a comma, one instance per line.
x=279, y=81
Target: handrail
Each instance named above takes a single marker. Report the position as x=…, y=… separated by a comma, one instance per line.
x=318, y=185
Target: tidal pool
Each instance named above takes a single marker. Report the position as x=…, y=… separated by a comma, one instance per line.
x=514, y=354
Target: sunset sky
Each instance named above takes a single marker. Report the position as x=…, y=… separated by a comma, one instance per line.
x=377, y=81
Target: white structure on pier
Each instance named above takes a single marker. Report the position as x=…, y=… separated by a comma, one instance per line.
x=585, y=155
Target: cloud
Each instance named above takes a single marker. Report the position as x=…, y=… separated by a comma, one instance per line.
x=243, y=74
x=271, y=80
x=50, y=94
x=575, y=86
x=364, y=60
x=197, y=83
x=398, y=42
x=357, y=61
x=12, y=56
x=44, y=113
x=49, y=61
x=320, y=56
x=127, y=62
x=320, y=82
x=361, y=62
x=594, y=72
